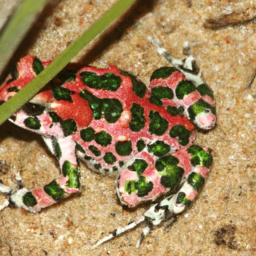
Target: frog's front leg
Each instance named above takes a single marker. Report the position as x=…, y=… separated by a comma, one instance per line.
x=181, y=90
x=64, y=186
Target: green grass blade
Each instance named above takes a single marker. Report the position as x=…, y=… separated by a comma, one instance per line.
x=12, y=105
x=17, y=28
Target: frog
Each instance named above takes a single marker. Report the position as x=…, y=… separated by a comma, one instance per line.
x=109, y=119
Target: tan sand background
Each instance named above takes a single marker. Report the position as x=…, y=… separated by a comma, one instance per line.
x=222, y=220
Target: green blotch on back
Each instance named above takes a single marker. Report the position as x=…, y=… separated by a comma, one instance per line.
x=123, y=148
x=37, y=66
x=158, y=125
x=67, y=75
x=95, y=150
x=141, y=145
x=160, y=92
x=69, y=127
x=163, y=72
x=184, y=88
x=60, y=93
x=205, y=90
x=138, y=119
x=139, y=166
x=174, y=111
x=103, y=138
x=54, y=190
x=196, y=181
x=72, y=173
x=109, y=158
x=108, y=81
x=32, y=123
x=141, y=186
x=158, y=148
x=172, y=174
x=87, y=134
x=29, y=199
x=139, y=88
x=181, y=133
x=55, y=118
x=56, y=148
x=199, y=157
x=111, y=109
x=182, y=199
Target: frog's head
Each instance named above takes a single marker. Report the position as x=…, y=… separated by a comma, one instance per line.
x=21, y=74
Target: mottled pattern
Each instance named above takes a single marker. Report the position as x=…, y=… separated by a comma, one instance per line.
x=110, y=120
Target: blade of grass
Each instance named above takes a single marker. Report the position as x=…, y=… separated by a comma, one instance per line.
x=17, y=28
x=12, y=105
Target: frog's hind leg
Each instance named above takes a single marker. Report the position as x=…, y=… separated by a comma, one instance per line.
x=181, y=90
x=64, y=186
x=182, y=174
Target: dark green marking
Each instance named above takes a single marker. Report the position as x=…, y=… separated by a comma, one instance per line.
x=94, y=102
x=87, y=134
x=103, y=138
x=67, y=75
x=109, y=158
x=55, y=118
x=138, y=119
x=60, y=93
x=141, y=145
x=95, y=150
x=184, y=88
x=160, y=92
x=171, y=173
x=97, y=166
x=56, y=148
x=139, y=88
x=15, y=75
x=200, y=107
x=54, y=190
x=158, y=125
x=174, y=111
x=204, y=89
x=37, y=66
x=196, y=181
x=12, y=89
x=29, y=199
x=182, y=199
x=163, y=72
x=69, y=127
x=32, y=123
x=111, y=109
x=199, y=157
x=123, y=148
x=159, y=148
x=108, y=81
x=72, y=173
x=140, y=185
x=32, y=109
x=79, y=148
x=139, y=166
x=181, y=133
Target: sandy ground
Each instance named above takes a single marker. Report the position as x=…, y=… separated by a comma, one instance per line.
x=222, y=220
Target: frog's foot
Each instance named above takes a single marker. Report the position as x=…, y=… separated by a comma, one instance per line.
x=187, y=66
x=9, y=191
